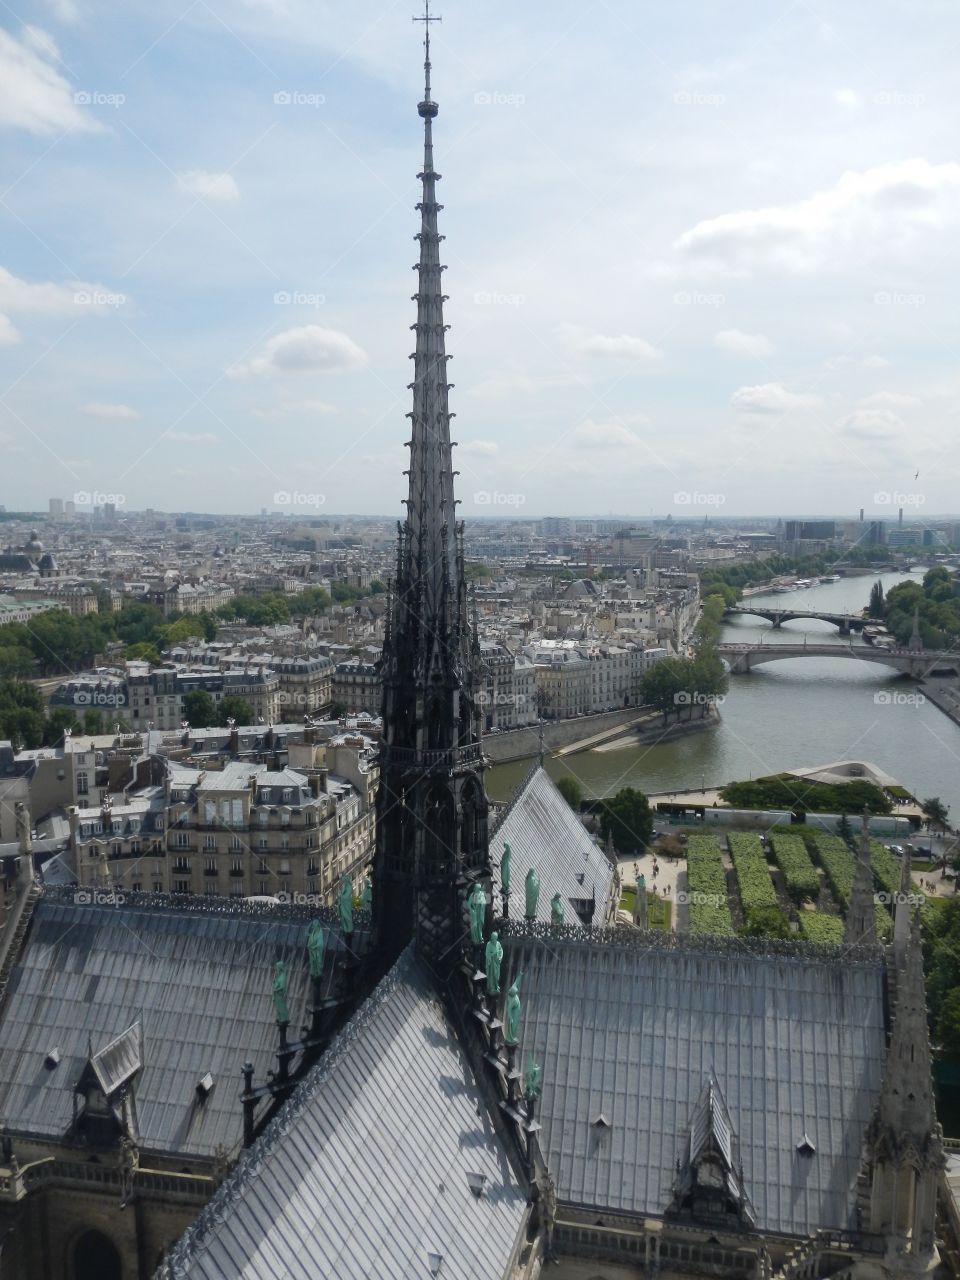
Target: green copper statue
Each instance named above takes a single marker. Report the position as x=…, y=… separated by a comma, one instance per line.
x=556, y=909
x=511, y=1018
x=533, y=893
x=531, y=1081
x=477, y=905
x=280, y=992
x=505, y=868
x=345, y=905
x=316, y=946
x=492, y=957
x=366, y=897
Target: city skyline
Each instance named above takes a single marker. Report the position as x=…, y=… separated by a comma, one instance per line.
x=699, y=312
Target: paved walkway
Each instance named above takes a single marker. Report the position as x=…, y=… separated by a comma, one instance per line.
x=664, y=883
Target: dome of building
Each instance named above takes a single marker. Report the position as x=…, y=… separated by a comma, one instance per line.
x=34, y=546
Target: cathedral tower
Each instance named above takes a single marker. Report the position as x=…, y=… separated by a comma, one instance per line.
x=431, y=807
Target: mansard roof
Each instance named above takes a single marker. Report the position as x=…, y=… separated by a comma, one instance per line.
x=630, y=1025
x=196, y=974
x=544, y=832
x=367, y=1170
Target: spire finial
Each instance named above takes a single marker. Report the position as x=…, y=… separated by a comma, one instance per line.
x=426, y=18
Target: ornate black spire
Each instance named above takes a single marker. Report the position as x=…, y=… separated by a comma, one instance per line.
x=431, y=808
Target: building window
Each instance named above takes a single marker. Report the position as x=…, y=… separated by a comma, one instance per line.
x=209, y=842
x=235, y=844
x=210, y=864
x=83, y=784
x=181, y=839
x=261, y=842
x=264, y=818
x=136, y=887
x=262, y=888
x=181, y=864
x=181, y=886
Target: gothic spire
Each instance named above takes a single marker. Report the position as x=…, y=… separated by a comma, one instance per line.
x=431, y=806
x=861, y=924
x=431, y=548
x=904, y=1141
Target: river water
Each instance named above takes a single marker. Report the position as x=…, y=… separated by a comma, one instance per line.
x=792, y=714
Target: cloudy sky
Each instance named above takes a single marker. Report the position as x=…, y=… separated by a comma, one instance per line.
x=698, y=254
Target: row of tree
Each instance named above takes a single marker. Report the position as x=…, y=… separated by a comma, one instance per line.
x=936, y=600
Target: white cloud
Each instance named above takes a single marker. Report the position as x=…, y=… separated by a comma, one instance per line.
x=847, y=97
x=291, y=407
x=191, y=437
x=306, y=349
x=743, y=344
x=875, y=208
x=101, y=409
x=479, y=448
x=9, y=335
x=65, y=11
x=771, y=397
x=508, y=383
x=49, y=298
x=36, y=97
x=874, y=362
x=890, y=400
x=209, y=186
x=623, y=346
x=872, y=424
x=603, y=435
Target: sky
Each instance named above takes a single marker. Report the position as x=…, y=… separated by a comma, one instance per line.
x=700, y=257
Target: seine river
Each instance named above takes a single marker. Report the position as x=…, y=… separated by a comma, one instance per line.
x=792, y=714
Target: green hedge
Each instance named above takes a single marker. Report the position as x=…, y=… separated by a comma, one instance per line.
x=815, y=926
x=838, y=864
x=706, y=879
x=790, y=854
x=753, y=874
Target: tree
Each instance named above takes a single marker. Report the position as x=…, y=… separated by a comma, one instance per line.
x=199, y=709
x=571, y=791
x=766, y=922
x=627, y=819
x=92, y=721
x=16, y=663
x=141, y=650
x=948, y=1024
x=235, y=708
x=845, y=831
x=58, y=722
x=935, y=812
x=876, y=607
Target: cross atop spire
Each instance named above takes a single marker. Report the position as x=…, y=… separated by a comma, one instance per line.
x=426, y=19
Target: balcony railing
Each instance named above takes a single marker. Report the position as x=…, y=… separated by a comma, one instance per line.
x=452, y=759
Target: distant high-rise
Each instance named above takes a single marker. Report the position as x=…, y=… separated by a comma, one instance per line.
x=56, y=508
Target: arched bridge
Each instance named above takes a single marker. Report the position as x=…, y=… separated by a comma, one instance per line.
x=847, y=622
x=909, y=662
